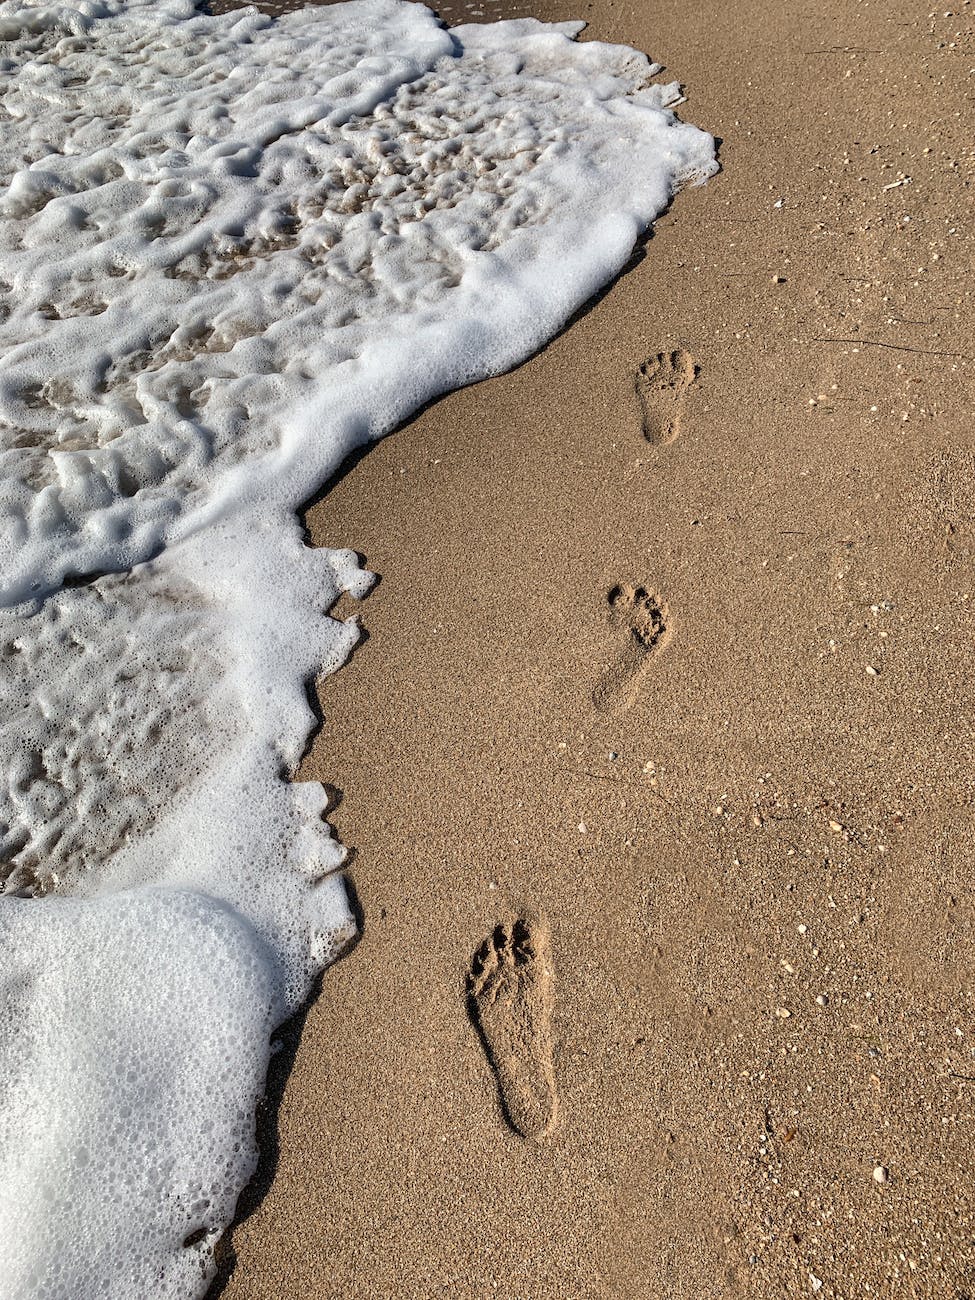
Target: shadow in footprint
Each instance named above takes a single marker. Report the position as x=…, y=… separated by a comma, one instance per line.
x=643, y=620
x=510, y=1002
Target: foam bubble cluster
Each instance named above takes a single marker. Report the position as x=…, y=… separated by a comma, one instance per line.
x=162, y=1003
x=232, y=249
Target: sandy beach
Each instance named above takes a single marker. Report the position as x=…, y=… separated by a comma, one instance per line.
x=672, y=650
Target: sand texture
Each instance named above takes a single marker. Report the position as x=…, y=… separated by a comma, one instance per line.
x=671, y=664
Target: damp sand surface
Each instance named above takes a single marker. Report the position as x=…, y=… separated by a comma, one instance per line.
x=682, y=668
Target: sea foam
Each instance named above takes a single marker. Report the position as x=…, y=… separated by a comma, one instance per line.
x=232, y=250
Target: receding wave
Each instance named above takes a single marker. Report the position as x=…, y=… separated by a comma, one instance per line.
x=232, y=250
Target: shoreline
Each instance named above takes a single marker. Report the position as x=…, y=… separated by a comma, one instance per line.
x=780, y=824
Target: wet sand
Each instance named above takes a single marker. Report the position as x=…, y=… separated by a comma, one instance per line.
x=671, y=654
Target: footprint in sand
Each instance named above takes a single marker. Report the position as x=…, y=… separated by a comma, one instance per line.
x=510, y=999
x=642, y=619
x=661, y=383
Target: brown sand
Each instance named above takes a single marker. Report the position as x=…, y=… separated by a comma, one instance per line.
x=703, y=701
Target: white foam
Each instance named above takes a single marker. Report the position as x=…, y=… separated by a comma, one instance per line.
x=170, y=1065
x=232, y=250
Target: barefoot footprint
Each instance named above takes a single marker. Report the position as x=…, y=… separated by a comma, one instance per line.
x=643, y=620
x=661, y=383
x=510, y=998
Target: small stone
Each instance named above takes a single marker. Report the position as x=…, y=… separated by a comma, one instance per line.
x=880, y=1174
x=871, y=671
x=802, y=928
x=821, y=999
x=783, y=1013
x=778, y=279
